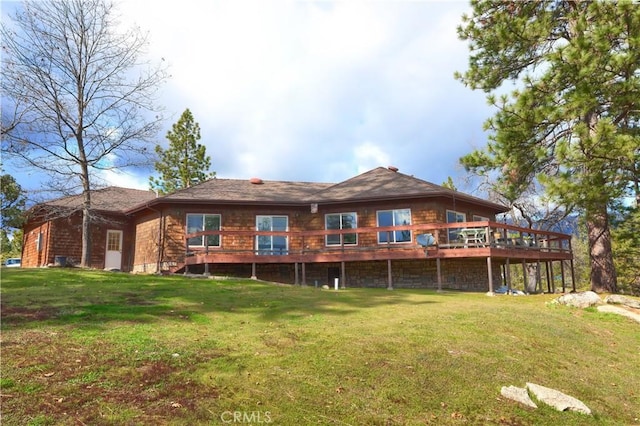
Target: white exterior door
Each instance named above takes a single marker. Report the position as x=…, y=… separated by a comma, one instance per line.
x=113, y=254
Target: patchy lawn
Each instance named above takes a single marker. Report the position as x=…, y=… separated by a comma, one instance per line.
x=88, y=347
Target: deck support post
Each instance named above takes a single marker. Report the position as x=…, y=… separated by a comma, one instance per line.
x=546, y=265
x=389, y=276
x=304, y=274
x=439, y=273
x=253, y=271
x=490, y=275
x=295, y=273
x=507, y=275
x=524, y=274
x=539, y=272
x=564, y=285
x=343, y=275
x=551, y=275
x=206, y=269
x=573, y=276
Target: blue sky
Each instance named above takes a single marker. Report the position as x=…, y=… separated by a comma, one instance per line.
x=315, y=91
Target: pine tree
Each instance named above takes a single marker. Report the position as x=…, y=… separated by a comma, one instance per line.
x=185, y=163
x=573, y=121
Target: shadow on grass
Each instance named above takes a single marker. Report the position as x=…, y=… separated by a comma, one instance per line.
x=90, y=298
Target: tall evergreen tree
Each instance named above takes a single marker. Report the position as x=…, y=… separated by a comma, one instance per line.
x=573, y=121
x=185, y=162
x=12, y=203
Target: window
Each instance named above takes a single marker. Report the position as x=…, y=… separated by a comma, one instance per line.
x=341, y=221
x=203, y=222
x=272, y=244
x=477, y=218
x=39, y=241
x=394, y=218
x=455, y=217
x=114, y=240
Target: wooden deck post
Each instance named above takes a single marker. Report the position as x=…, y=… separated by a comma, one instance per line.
x=343, y=275
x=546, y=265
x=253, y=271
x=573, y=277
x=507, y=274
x=206, y=269
x=439, y=273
x=564, y=285
x=490, y=274
x=553, y=285
x=389, y=276
x=524, y=274
x=539, y=272
x=304, y=274
x=295, y=273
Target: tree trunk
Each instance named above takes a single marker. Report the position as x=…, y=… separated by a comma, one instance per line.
x=533, y=283
x=85, y=260
x=603, y=271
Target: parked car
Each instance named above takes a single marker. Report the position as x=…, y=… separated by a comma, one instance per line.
x=13, y=262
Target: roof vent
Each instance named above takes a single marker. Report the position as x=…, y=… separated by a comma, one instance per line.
x=392, y=168
x=256, y=181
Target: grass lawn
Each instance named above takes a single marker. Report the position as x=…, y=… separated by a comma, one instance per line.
x=88, y=347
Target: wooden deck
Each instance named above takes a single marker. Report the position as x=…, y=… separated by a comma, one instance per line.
x=493, y=239
x=495, y=242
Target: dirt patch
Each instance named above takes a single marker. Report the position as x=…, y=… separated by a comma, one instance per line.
x=69, y=383
x=19, y=314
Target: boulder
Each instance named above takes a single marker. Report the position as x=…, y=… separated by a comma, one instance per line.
x=617, y=299
x=620, y=311
x=580, y=300
x=518, y=394
x=557, y=399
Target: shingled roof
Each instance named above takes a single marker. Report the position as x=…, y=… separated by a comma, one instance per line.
x=378, y=184
x=112, y=198
x=236, y=191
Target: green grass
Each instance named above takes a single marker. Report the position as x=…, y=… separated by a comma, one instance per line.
x=88, y=347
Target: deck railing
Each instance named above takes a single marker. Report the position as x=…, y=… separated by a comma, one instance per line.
x=446, y=236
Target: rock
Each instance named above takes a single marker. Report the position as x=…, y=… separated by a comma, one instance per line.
x=325, y=287
x=617, y=299
x=579, y=300
x=620, y=311
x=518, y=394
x=557, y=399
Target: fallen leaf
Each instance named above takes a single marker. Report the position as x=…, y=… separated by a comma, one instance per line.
x=49, y=374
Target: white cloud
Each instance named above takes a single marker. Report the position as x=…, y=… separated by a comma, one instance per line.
x=368, y=156
x=316, y=91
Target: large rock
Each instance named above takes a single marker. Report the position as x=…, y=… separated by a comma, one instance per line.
x=580, y=300
x=620, y=311
x=557, y=399
x=518, y=394
x=617, y=299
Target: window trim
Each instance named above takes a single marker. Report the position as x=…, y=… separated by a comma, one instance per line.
x=202, y=245
x=342, y=236
x=393, y=217
x=478, y=218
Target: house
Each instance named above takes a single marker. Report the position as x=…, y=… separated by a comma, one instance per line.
x=381, y=228
x=53, y=231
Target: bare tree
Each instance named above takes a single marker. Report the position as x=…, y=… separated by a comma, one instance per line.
x=77, y=97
